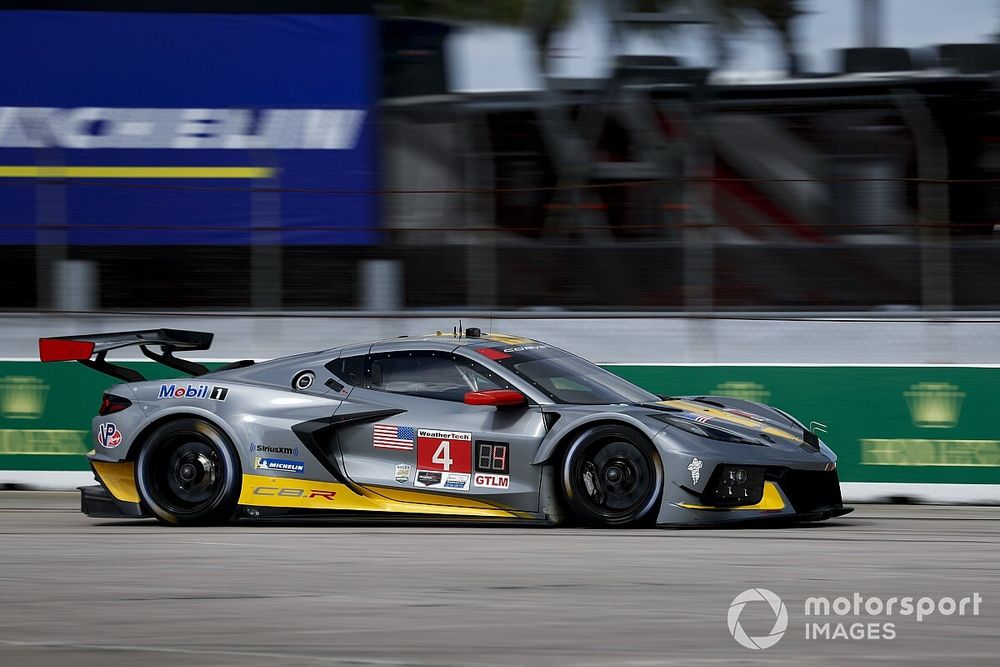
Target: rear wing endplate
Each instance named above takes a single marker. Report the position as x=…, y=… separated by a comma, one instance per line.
x=91, y=350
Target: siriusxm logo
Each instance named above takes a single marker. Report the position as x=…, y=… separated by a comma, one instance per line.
x=107, y=127
x=193, y=391
x=279, y=464
x=271, y=449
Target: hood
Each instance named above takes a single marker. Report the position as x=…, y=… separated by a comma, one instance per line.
x=766, y=429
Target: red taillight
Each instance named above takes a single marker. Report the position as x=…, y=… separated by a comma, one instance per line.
x=111, y=403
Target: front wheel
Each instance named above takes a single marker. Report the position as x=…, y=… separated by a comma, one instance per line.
x=612, y=476
x=188, y=473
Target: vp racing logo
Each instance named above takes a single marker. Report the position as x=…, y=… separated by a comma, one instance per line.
x=780, y=618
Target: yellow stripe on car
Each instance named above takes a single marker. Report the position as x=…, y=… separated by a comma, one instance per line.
x=118, y=478
x=507, y=339
x=729, y=417
x=261, y=491
x=770, y=501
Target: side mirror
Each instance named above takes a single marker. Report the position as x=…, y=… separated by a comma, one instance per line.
x=501, y=398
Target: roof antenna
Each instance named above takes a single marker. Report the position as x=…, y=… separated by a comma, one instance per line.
x=454, y=332
x=460, y=329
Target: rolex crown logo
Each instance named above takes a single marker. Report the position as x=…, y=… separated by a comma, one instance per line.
x=748, y=391
x=934, y=404
x=22, y=397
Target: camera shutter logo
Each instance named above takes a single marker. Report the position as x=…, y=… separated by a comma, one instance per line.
x=780, y=618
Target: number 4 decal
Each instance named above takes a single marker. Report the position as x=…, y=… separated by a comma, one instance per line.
x=442, y=456
x=444, y=451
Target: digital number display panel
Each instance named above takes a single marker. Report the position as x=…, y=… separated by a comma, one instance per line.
x=493, y=457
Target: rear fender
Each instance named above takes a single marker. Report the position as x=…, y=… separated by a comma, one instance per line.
x=181, y=412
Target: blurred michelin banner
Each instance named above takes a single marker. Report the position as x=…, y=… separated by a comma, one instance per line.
x=909, y=404
x=217, y=104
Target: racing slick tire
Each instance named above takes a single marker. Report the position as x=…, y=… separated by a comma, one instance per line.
x=188, y=473
x=612, y=476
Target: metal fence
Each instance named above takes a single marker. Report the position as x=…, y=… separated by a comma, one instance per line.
x=855, y=193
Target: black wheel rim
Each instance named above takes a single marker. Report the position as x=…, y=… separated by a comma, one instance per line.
x=614, y=478
x=186, y=474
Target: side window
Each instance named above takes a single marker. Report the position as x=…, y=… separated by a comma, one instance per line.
x=349, y=369
x=437, y=375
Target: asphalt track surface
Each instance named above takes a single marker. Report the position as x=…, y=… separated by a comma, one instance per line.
x=79, y=591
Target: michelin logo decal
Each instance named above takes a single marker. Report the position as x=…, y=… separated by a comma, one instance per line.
x=261, y=463
x=109, y=127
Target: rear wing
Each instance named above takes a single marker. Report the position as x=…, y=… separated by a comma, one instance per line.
x=83, y=348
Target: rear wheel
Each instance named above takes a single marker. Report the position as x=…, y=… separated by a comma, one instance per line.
x=612, y=476
x=188, y=473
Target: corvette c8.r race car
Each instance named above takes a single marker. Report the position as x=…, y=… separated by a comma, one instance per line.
x=462, y=425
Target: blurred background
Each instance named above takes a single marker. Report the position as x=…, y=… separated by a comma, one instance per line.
x=600, y=155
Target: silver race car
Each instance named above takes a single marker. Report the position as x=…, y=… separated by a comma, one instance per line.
x=460, y=425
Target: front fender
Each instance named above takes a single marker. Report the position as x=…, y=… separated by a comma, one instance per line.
x=570, y=423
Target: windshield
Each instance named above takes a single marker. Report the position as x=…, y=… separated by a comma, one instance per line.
x=566, y=378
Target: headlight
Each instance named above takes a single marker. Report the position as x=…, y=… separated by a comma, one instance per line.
x=706, y=430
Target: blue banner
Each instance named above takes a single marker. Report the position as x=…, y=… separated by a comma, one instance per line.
x=120, y=128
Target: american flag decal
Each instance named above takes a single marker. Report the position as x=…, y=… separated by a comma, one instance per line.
x=695, y=417
x=390, y=436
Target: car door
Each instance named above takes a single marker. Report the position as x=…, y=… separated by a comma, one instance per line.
x=431, y=441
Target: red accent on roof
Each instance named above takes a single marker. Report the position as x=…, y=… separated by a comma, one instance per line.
x=493, y=353
x=56, y=349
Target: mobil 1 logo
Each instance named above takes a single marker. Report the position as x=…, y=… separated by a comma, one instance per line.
x=193, y=391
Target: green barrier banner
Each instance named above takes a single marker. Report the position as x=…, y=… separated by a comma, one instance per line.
x=45, y=412
x=887, y=424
